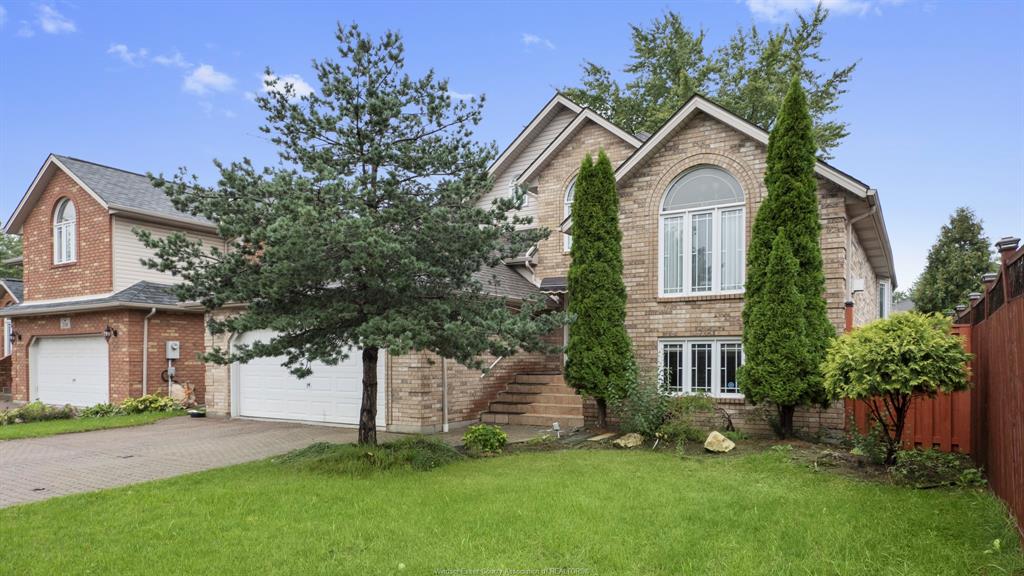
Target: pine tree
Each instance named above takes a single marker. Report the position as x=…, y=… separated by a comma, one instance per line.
x=600, y=357
x=369, y=232
x=791, y=206
x=956, y=262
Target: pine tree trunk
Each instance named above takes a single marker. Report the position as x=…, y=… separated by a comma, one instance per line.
x=602, y=413
x=368, y=410
x=786, y=421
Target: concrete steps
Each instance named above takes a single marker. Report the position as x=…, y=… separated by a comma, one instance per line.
x=536, y=399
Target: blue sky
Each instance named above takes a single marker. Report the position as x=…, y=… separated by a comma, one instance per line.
x=936, y=107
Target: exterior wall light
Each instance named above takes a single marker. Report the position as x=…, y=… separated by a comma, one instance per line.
x=108, y=332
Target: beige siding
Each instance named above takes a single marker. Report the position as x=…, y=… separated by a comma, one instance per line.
x=503, y=180
x=128, y=252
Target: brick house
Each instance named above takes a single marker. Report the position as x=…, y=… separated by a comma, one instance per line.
x=689, y=194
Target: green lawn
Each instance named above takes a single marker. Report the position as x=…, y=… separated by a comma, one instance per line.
x=51, y=427
x=588, y=511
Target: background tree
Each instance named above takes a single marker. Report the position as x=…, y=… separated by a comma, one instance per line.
x=10, y=247
x=367, y=234
x=888, y=362
x=749, y=76
x=956, y=262
x=599, y=355
x=791, y=207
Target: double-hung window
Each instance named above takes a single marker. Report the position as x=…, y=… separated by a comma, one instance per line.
x=702, y=235
x=64, y=244
x=567, y=211
x=701, y=366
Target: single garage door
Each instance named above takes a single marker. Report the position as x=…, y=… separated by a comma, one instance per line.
x=71, y=370
x=331, y=394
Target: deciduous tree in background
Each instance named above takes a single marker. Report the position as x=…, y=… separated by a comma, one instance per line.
x=369, y=232
x=10, y=247
x=749, y=76
x=956, y=262
x=888, y=362
x=599, y=355
x=791, y=208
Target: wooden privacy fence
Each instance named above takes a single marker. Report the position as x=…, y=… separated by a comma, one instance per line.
x=987, y=421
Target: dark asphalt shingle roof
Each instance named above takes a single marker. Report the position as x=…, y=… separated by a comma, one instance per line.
x=502, y=280
x=123, y=189
x=16, y=287
x=140, y=294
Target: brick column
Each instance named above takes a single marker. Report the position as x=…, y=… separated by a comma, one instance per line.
x=848, y=321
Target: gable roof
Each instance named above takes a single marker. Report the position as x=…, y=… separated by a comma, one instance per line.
x=14, y=287
x=698, y=103
x=557, y=103
x=115, y=189
x=584, y=116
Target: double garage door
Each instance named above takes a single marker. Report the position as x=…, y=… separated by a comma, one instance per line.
x=265, y=389
x=70, y=370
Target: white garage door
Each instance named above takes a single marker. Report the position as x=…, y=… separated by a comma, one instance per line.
x=331, y=394
x=71, y=370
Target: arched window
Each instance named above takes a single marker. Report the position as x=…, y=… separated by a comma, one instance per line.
x=569, y=195
x=702, y=234
x=64, y=232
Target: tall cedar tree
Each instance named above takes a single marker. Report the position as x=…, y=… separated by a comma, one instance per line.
x=600, y=355
x=368, y=234
x=749, y=76
x=956, y=262
x=10, y=247
x=791, y=206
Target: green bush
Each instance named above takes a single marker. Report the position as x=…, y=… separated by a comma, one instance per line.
x=36, y=412
x=735, y=435
x=485, y=438
x=415, y=453
x=148, y=403
x=677, y=429
x=100, y=411
x=871, y=445
x=642, y=406
x=682, y=416
x=926, y=468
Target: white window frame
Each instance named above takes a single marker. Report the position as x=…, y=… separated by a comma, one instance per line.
x=716, y=249
x=716, y=364
x=885, y=298
x=567, y=211
x=65, y=241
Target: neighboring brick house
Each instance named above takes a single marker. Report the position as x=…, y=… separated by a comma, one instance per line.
x=93, y=322
x=11, y=293
x=688, y=196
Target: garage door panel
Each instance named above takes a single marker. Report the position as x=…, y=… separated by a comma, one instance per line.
x=330, y=394
x=71, y=370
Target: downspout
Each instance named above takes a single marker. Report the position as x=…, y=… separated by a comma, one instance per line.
x=145, y=352
x=444, y=394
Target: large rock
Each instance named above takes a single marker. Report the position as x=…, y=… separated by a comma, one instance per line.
x=718, y=443
x=631, y=440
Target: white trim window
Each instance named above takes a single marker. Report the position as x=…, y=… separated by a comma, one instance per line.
x=702, y=235
x=570, y=194
x=884, y=299
x=701, y=366
x=64, y=243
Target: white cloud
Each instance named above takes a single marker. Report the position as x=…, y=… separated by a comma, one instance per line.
x=25, y=30
x=775, y=10
x=460, y=95
x=534, y=40
x=176, y=60
x=126, y=55
x=205, y=78
x=53, y=22
x=230, y=114
x=250, y=96
x=3, y=15
x=300, y=86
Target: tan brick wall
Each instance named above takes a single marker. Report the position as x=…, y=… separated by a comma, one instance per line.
x=125, y=349
x=865, y=304
x=554, y=180
x=91, y=273
x=701, y=141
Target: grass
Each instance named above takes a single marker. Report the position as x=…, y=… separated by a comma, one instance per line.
x=52, y=427
x=578, y=511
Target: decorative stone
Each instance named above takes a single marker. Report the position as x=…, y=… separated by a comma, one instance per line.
x=631, y=440
x=718, y=443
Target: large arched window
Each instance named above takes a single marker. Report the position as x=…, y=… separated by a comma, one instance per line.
x=702, y=234
x=64, y=232
x=570, y=193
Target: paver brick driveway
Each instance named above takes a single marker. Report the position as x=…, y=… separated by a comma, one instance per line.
x=40, y=468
